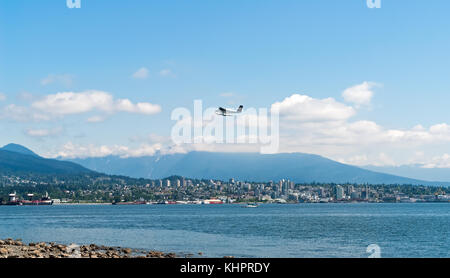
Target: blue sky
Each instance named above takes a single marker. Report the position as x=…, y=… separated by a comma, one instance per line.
x=259, y=52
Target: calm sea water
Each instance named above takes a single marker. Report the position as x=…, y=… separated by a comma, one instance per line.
x=303, y=230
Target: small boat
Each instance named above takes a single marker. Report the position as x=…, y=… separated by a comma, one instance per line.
x=43, y=202
x=212, y=202
x=251, y=205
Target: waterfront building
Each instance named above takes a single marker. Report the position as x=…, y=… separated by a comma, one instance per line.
x=12, y=197
x=350, y=190
x=340, y=193
x=355, y=195
x=322, y=192
x=365, y=194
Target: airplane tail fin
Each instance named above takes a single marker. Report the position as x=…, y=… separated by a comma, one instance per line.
x=240, y=109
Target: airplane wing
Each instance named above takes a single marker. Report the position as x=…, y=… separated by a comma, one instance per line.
x=222, y=109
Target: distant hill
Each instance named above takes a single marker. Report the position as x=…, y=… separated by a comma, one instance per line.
x=297, y=167
x=16, y=159
x=414, y=171
x=18, y=149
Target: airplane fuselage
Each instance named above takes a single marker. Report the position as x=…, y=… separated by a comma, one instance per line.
x=228, y=112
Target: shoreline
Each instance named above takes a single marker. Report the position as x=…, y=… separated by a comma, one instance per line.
x=236, y=203
x=10, y=248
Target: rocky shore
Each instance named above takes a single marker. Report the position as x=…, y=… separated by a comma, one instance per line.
x=10, y=248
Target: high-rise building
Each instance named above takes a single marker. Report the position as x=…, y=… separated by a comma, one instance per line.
x=365, y=193
x=355, y=195
x=350, y=190
x=322, y=193
x=339, y=192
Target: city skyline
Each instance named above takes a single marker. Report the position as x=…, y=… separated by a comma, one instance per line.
x=183, y=190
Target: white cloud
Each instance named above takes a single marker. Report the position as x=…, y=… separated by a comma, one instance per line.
x=2, y=97
x=141, y=73
x=67, y=103
x=70, y=150
x=95, y=119
x=385, y=160
x=355, y=160
x=303, y=108
x=324, y=127
x=442, y=161
x=37, y=132
x=359, y=94
x=63, y=79
x=380, y=159
x=58, y=105
x=440, y=129
x=43, y=132
x=22, y=114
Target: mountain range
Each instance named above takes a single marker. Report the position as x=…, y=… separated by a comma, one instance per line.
x=16, y=159
x=415, y=171
x=297, y=167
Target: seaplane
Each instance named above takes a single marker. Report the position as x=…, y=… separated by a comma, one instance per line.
x=228, y=112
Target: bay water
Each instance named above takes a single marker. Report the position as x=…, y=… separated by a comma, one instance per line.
x=271, y=230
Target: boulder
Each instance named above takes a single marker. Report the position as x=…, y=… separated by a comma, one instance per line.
x=36, y=253
x=170, y=255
